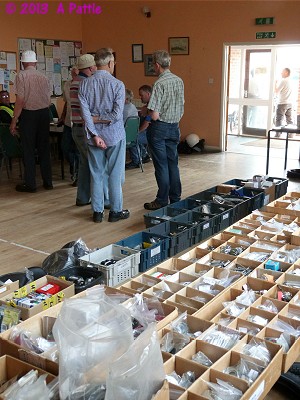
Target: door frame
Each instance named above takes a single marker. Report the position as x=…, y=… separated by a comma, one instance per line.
x=225, y=81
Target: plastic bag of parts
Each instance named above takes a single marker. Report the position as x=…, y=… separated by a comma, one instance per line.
x=139, y=372
x=180, y=325
x=172, y=342
x=245, y=369
x=29, y=341
x=30, y=386
x=68, y=256
x=185, y=381
x=91, y=333
x=257, y=349
x=222, y=390
x=143, y=312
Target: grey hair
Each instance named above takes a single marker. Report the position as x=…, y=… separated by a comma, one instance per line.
x=162, y=57
x=103, y=56
x=129, y=94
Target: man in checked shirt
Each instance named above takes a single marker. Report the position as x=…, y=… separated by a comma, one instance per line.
x=103, y=95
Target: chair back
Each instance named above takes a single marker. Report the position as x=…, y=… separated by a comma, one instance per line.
x=52, y=112
x=132, y=125
x=9, y=144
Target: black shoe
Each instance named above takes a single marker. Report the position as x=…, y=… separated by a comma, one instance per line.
x=78, y=204
x=47, y=187
x=97, y=216
x=115, y=216
x=131, y=165
x=22, y=187
x=146, y=159
x=153, y=205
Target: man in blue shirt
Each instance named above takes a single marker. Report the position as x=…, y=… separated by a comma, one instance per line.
x=103, y=95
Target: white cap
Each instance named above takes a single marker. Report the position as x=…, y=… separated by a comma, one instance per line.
x=28, y=56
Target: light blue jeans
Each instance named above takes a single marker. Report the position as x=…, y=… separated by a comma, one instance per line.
x=109, y=162
x=84, y=176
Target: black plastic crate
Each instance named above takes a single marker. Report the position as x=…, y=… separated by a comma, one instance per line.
x=224, y=215
x=202, y=225
x=162, y=215
x=188, y=204
x=281, y=185
x=179, y=233
x=152, y=255
x=89, y=277
x=257, y=197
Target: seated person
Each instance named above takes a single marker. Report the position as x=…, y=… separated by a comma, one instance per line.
x=144, y=93
x=6, y=108
x=130, y=109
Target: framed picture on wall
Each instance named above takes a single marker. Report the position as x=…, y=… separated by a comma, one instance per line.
x=179, y=45
x=137, y=53
x=148, y=64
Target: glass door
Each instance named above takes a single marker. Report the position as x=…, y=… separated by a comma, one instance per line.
x=250, y=99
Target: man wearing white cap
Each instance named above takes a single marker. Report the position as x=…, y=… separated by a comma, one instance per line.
x=33, y=91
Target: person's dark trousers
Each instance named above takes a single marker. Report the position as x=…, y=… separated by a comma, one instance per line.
x=163, y=139
x=70, y=150
x=34, y=132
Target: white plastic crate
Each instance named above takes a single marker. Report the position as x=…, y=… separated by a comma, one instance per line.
x=126, y=267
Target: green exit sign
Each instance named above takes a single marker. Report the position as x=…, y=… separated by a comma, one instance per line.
x=264, y=21
x=265, y=35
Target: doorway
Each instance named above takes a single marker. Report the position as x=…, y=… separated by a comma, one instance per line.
x=249, y=103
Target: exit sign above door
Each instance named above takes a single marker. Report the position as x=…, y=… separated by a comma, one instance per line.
x=265, y=35
x=265, y=21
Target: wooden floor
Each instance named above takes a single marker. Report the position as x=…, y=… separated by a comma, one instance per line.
x=36, y=224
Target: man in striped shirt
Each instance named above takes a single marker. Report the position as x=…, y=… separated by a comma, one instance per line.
x=165, y=107
x=33, y=92
x=103, y=95
x=86, y=66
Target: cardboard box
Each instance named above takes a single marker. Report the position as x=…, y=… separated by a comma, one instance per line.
x=224, y=188
x=163, y=393
x=11, y=367
x=67, y=290
x=8, y=288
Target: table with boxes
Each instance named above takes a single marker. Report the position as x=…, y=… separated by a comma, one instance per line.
x=234, y=293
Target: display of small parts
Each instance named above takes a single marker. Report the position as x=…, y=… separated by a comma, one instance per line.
x=79, y=280
x=108, y=262
x=180, y=228
x=219, y=263
x=233, y=251
x=243, y=270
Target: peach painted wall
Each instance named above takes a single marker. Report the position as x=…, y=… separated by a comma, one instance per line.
x=208, y=24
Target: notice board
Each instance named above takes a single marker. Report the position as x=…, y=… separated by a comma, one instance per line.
x=8, y=69
x=54, y=58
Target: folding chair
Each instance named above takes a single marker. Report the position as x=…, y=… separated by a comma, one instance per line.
x=132, y=125
x=10, y=147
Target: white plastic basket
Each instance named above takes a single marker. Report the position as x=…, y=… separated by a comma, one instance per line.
x=126, y=267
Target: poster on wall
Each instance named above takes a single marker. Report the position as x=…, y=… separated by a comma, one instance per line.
x=54, y=58
x=8, y=69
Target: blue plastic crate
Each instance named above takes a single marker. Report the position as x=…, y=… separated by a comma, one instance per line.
x=257, y=197
x=179, y=239
x=281, y=185
x=162, y=215
x=150, y=256
x=188, y=204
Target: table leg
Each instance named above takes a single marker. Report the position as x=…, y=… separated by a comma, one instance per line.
x=268, y=151
x=286, y=149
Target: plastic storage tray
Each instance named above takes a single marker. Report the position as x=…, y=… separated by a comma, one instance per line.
x=126, y=267
x=85, y=273
x=202, y=225
x=151, y=256
x=180, y=240
x=162, y=215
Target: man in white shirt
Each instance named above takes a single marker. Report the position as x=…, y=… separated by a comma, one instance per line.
x=283, y=90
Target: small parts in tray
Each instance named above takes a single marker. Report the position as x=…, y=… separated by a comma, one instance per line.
x=9, y=317
x=108, y=262
x=78, y=280
x=184, y=381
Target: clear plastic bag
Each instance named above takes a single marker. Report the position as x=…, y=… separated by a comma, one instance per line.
x=91, y=333
x=246, y=298
x=222, y=391
x=287, y=328
x=222, y=337
x=232, y=308
x=268, y=305
x=139, y=372
x=172, y=342
x=257, y=349
x=202, y=359
x=245, y=369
